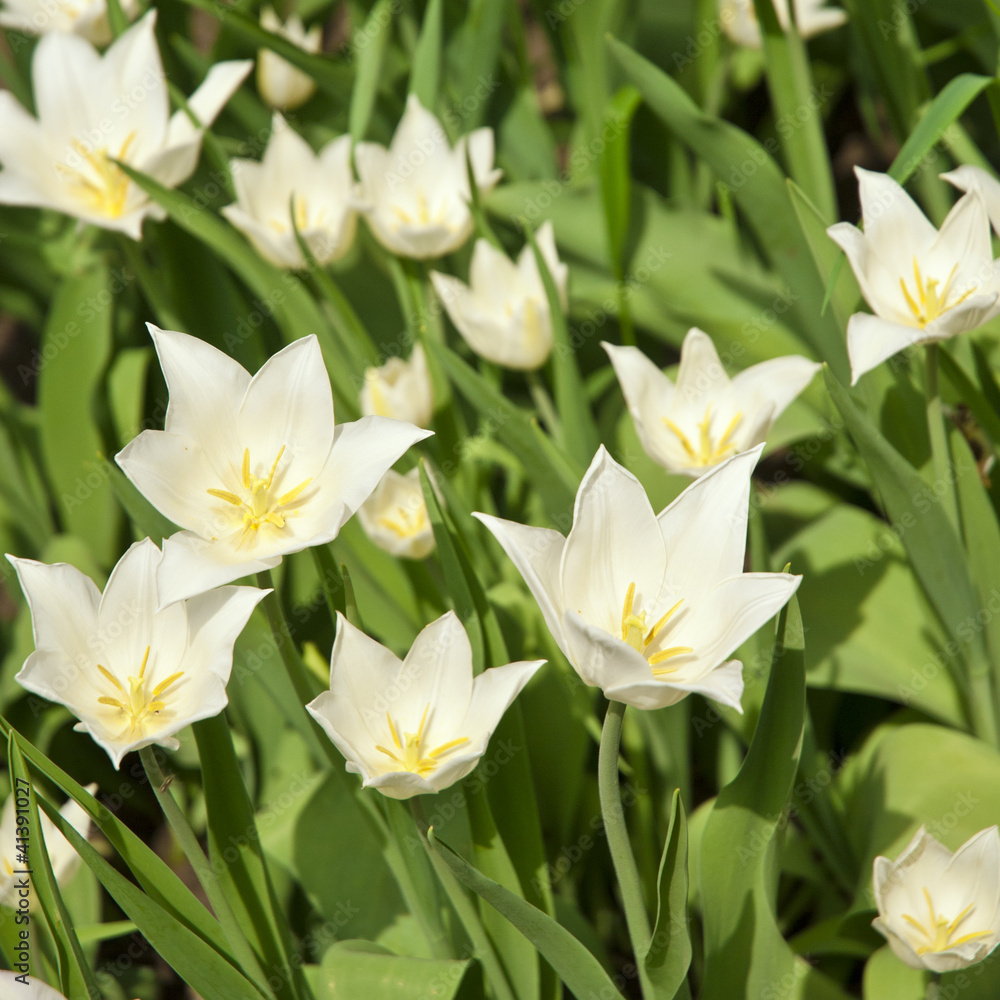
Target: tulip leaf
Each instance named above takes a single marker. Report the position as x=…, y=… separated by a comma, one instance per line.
x=198, y=963
x=745, y=953
x=368, y=58
x=798, y=106
x=668, y=955
x=553, y=473
x=757, y=185
x=931, y=542
x=294, y=308
x=573, y=963
x=983, y=402
x=361, y=970
x=956, y=95
x=165, y=889
x=76, y=348
x=886, y=976
x=76, y=975
x=576, y=422
x=235, y=851
x=426, y=71
x=616, y=177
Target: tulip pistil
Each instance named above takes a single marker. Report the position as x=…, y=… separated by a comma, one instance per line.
x=929, y=304
x=136, y=704
x=939, y=931
x=411, y=756
x=98, y=181
x=709, y=452
x=259, y=507
x=635, y=634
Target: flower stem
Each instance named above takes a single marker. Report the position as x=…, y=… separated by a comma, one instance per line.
x=244, y=954
x=282, y=634
x=934, y=986
x=543, y=403
x=467, y=912
x=618, y=842
x=941, y=455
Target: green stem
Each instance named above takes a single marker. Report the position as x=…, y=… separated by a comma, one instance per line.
x=245, y=955
x=618, y=843
x=934, y=986
x=939, y=438
x=467, y=912
x=543, y=403
x=282, y=634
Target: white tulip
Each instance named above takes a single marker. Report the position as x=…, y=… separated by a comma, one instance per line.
x=400, y=389
x=707, y=417
x=25, y=987
x=503, y=313
x=417, y=190
x=282, y=85
x=87, y=18
x=323, y=189
x=938, y=910
x=923, y=285
x=413, y=726
x=395, y=516
x=62, y=857
x=252, y=468
x=648, y=607
x=92, y=109
x=133, y=672
x=812, y=17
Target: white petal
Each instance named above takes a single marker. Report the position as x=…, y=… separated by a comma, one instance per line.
x=705, y=528
x=222, y=81
x=492, y=693
x=975, y=179
x=894, y=224
x=537, y=554
x=602, y=659
x=215, y=621
x=615, y=541
x=63, y=70
x=871, y=340
x=125, y=617
x=35, y=989
x=63, y=603
x=700, y=375
x=724, y=684
x=776, y=382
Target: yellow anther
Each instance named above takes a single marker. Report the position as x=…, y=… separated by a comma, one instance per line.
x=929, y=304
x=709, y=451
x=246, y=469
x=939, y=932
x=138, y=707
x=652, y=633
x=98, y=181
x=110, y=677
x=405, y=523
x=668, y=654
x=635, y=634
x=163, y=685
x=227, y=496
x=411, y=756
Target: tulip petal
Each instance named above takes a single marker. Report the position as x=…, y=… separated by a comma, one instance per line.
x=777, y=381
x=493, y=691
x=871, y=340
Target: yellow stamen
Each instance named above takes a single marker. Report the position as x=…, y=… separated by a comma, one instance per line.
x=227, y=496
x=710, y=452
x=938, y=931
x=412, y=757
x=635, y=634
x=931, y=304
x=138, y=707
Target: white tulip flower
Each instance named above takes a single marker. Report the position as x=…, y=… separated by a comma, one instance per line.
x=648, y=607
x=252, y=468
x=975, y=180
x=707, y=417
x=812, y=17
x=938, y=910
x=503, y=313
x=25, y=987
x=400, y=389
x=923, y=285
x=413, y=726
x=282, y=85
x=132, y=671
x=93, y=109
x=87, y=18
x=395, y=516
x=417, y=190
x=62, y=857
x=322, y=186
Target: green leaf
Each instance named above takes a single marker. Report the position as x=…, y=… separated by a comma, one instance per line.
x=76, y=348
x=798, y=107
x=353, y=970
x=145, y=518
x=576, y=966
x=152, y=873
x=424, y=76
x=745, y=953
x=579, y=432
x=669, y=953
x=77, y=977
x=553, y=474
x=127, y=391
x=984, y=402
x=376, y=30
x=616, y=176
x=913, y=505
x=886, y=976
x=757, y=186
x=957, y=94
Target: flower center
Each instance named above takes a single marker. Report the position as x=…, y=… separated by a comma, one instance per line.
x=98, y=181
x=300, y=214
x=709, y=451
x=634, y=633
x=939, y=933
x=928, y=303
x=258, y=503
x=419, y=214
x=137, y=706
x=406, y=521
x=409, y=754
